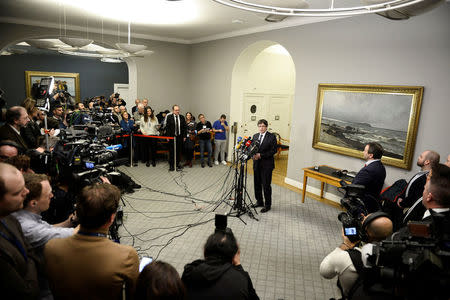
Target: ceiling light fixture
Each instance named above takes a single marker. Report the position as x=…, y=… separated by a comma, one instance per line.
x=73, y=42
x=376, y=6
x=131, y=48
x=111, y=60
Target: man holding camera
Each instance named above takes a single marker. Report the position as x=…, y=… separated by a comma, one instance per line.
x=371, y=176
x=220, y=275
x=374, y=227
x=88, y=265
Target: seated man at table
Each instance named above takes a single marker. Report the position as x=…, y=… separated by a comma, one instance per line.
x=372, y=176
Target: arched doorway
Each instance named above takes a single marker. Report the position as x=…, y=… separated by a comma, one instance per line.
x=263, y=87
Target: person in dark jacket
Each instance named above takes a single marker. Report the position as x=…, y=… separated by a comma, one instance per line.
x=220, y=275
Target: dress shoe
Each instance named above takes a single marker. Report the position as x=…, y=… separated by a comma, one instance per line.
x=154, y=163
x=148, y=164
x=210, y=164
x=136, y=186
x=257, y=205
x=135, y=164
x=203, y=165
x=172, y=169
x=179, y=169
x=265, y=209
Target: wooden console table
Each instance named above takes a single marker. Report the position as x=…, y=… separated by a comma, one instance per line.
x=325, y=174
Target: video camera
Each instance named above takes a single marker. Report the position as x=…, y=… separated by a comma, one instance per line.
x=414, y=263
x=352, y=218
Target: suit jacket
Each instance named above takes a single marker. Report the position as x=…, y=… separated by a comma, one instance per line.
x=170, y=125
x=267, y=149
x=415, y=190
x=7, y=133
x=416, y=213
x=372, y=177
x=90, y=267
x=31, y=134
x=18, y=277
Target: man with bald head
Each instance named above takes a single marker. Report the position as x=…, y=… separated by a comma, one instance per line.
x=8, y=149
x=414, y=189
x=18, y=276
x=339, y=262
x=16, y=118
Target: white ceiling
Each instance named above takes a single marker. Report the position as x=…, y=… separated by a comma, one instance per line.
x=201, y=20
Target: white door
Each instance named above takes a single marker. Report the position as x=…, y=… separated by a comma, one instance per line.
x=123, y=90
x=279, y=115
x=254, y=109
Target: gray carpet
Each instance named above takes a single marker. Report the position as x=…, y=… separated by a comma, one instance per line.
x=172, y=215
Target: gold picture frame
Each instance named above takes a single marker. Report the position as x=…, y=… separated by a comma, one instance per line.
x=348, y=116
x=72, y=81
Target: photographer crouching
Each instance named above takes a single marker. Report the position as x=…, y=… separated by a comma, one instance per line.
x=345, y=261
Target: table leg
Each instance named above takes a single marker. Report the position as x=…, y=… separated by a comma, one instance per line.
x=305, y=178
x=322, y=185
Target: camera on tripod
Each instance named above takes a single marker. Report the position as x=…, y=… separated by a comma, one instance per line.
x=353, y=217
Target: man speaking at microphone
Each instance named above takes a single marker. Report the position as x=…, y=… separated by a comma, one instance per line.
x=263, y=165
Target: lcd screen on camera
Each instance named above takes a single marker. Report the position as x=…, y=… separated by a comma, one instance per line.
x=89, y=165
x=350, y=231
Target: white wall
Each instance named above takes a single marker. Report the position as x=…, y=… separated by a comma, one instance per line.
x=163, y=77
x=366, y=49
x=271, y=73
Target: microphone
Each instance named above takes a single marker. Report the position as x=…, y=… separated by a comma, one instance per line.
x=248, y=143
x=240, y=142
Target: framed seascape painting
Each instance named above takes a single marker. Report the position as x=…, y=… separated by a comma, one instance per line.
x=69, y=82
x=348, y=116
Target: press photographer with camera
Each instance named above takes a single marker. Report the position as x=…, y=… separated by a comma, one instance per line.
x=345, y=261
x=220, y=275
x=88, y=265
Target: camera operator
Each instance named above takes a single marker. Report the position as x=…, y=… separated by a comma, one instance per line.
x=77, y=264
x=220, y=275
x=372, y=176
x=342, y=261
x=57, y=120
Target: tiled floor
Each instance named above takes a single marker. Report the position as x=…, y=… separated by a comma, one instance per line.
x=172, y=215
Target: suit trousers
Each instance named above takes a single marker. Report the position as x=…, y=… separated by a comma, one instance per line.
x=262, y=181
x=179, y=149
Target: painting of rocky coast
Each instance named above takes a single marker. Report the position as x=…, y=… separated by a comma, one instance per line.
x=352, y=119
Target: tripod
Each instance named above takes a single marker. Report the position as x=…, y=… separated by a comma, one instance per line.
x=238, y=191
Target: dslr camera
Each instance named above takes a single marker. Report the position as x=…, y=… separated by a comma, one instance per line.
x=353, y=217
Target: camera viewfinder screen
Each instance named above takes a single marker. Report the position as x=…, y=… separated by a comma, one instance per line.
x=89, y=165
x=350, y=230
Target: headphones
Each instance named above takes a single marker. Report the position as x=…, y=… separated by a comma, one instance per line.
x=372, y=217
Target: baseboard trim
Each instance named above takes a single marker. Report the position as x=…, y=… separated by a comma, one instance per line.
x=314, y=193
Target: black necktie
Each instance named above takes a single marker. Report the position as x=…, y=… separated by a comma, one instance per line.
x=176, y=125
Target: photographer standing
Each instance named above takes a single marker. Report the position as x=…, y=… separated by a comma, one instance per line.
x=341, y=261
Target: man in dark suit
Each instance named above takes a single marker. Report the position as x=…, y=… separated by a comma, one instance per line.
x=415, y=186
x=18, y=271
x=372, y=176
x=263, y=165
x=436, y=194
x=16, y=118
x=412, y=198
x=176, y=127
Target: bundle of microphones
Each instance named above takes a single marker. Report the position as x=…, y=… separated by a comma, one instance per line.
x=246, y=147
